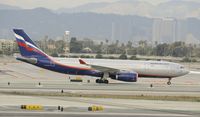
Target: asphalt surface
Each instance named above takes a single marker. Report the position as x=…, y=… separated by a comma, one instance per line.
x=17, y=76
x=33, y=114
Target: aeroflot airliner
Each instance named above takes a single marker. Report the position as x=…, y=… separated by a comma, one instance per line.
x=123, y=70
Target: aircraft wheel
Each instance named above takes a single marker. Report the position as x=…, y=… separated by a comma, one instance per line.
x=106, y=81
x=102, y=81
x=169, y=83
x=97, y=80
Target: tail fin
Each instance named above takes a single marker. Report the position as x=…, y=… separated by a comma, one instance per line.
x=24, y=35
x=26, y=45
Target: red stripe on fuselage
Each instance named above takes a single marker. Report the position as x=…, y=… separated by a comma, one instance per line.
x=79, y=68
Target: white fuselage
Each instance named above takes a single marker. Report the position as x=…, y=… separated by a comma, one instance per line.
x=160, y=69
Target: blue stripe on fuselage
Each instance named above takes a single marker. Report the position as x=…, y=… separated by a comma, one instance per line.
x=50, y=65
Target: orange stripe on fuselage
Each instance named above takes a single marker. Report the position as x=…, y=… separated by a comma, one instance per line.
x=73, y=67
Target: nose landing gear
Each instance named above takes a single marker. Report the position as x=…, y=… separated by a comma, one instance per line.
x=169, y=81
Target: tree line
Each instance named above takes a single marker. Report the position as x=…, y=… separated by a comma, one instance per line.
x=176, y=49
x=59, y=47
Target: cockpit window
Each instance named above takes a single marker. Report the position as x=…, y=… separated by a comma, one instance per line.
x=182, y=67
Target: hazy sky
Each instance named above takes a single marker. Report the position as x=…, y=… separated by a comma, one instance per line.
x=55, y=4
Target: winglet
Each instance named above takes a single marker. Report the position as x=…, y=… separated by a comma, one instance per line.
x=82, y=62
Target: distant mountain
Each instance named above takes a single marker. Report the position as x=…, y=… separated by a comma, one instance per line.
x=123, y=7
x=83, y=8
x=175, y=8
x=40, y=22
x=180, y=9
x=3, y=6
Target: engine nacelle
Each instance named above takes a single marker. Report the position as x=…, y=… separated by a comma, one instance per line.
x=126, y=76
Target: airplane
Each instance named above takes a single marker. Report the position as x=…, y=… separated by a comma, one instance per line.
x=127, y=71
x=144, y=69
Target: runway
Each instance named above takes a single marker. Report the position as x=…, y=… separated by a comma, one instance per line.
x=87, y=115
x=20, y=77
x=78, y=107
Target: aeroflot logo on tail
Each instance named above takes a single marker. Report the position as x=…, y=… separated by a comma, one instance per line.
x=28, y=46
x=21, y=42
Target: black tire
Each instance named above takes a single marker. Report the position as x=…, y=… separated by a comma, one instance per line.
x=97, y=80
x=101, y=81
x=106, y=81
x=169, y=83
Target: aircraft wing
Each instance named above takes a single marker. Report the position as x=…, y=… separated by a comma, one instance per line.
x=98, y=67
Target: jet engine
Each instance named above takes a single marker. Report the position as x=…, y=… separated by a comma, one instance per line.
x=127, y=76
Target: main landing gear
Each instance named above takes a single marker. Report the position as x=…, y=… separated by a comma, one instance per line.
x=102, y=81
x=169, y=81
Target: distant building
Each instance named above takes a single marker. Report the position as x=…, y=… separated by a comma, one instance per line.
x=156, y=31
x=6, y=44
x=51, y=46
x=67, y=36
x=164, y=30
x=67, y=40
